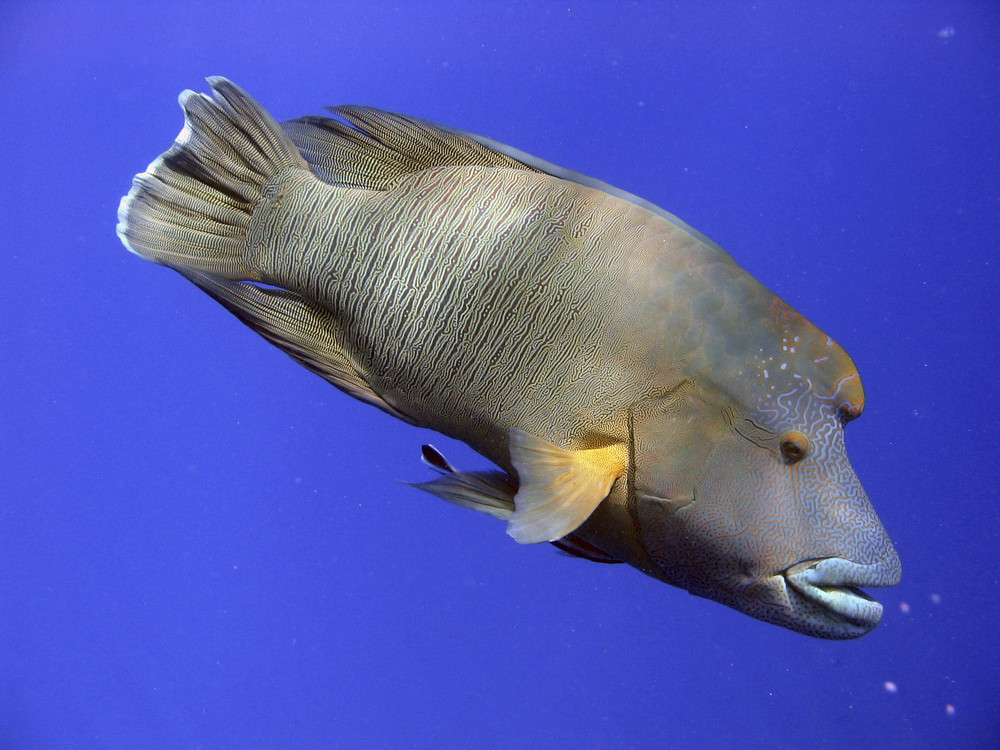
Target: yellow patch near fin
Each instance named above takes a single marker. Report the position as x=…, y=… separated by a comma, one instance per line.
x=559, y=489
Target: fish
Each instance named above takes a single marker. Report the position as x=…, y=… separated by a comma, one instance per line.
x=641, y=397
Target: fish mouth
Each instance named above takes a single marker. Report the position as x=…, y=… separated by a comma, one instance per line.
x=825, y=594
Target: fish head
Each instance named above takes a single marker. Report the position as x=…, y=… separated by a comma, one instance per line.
x=743, y=491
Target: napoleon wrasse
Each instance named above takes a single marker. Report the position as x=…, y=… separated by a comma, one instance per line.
x=646, y=400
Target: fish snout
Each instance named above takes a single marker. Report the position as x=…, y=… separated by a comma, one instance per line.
x=824, y=593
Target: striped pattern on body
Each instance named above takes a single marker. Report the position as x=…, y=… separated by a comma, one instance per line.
x=476, y=298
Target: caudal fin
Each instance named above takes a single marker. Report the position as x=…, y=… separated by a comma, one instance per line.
x=191, y=207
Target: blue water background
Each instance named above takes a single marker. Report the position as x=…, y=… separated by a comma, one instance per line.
x=202, y=545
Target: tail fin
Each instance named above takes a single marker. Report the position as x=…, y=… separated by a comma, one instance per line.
x=191, y=207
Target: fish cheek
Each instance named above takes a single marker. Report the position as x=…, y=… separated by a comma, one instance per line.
x=730, y=535
x=688, y=534
x=672, y=439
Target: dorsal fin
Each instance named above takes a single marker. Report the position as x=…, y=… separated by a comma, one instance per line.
x=374, y=148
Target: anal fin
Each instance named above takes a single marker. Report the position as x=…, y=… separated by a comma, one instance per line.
x=302, y=329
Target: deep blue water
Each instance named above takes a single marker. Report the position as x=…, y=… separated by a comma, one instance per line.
x=202, y=545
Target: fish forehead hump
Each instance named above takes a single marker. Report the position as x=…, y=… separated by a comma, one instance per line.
x=791, y=375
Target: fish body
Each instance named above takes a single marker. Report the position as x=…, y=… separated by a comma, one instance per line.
x=645, y=399
x=529, y=306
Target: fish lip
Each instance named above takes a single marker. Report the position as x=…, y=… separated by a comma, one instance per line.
x=829, y=595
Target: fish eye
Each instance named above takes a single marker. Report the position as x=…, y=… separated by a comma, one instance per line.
x=794, y=446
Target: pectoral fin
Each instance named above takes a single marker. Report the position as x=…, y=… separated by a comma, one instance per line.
x=559, y=489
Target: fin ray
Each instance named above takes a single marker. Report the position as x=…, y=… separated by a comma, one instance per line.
x=373, y=149
x=192, y=206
